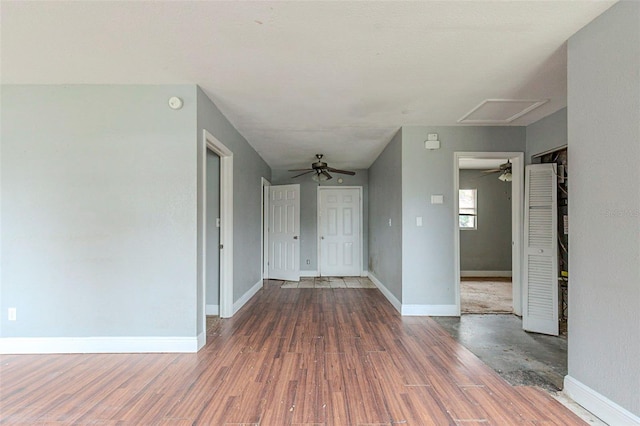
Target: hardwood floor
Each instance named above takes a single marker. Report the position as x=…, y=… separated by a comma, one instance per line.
x=290, y=357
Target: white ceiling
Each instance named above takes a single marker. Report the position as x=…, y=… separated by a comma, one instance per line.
x=480, y=163
x=296, y=78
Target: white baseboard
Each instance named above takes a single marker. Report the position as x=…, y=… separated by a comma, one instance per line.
x=212, y=310
x=601, y=406
x=87, y=345
x=430, y=310
x=486, y=273
x=238, y=304
x=390, y=297
x=202, y=339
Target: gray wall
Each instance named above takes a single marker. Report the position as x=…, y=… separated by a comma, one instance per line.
x=487, y=248
x=428, y=261
x=248, y=169
x=604, y=205
x=546, y=134
x=98, y=221
x=213, y=232
x=309, y=212
x=385, y=203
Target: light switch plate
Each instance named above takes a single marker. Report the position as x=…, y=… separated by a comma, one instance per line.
x=419, y=221
x=437, y=199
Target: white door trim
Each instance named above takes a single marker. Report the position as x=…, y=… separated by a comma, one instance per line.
x=517, y=220
x=319, y=259
x=226, y=223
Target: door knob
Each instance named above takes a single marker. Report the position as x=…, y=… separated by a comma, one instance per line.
x=322, y=238
x=295, y=237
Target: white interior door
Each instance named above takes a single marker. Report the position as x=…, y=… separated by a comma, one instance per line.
x=284, y=232
x=339, y=219
x=540, y=290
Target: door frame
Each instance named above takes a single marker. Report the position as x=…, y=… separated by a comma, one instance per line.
x=319, y=256
x=226, y=224
x=264, y=234
x=517, y=220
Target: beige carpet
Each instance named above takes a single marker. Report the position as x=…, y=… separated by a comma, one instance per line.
x=485, y=296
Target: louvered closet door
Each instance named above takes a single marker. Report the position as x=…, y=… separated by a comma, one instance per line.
x=540, y=290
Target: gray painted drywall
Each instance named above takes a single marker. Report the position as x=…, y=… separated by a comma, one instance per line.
x=213, y=232
x=604, y=205
x=428, y=273
x=385, y=203
x=546, y=134
x=248, y=169
x=309, y=212
x=487, y=248
x=98, y=211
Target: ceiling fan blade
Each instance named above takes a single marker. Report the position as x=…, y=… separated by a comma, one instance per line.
x=491, y=171
x=324, y=172
x=302, y=174
x=300, y=170
x=344, y=172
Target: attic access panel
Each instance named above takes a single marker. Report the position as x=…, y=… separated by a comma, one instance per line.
x=500, y=111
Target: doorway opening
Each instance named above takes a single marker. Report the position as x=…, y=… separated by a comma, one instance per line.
x=559, y=158
x=212, y=240
x=488, y=231
x=212, y=148
x=265, y=228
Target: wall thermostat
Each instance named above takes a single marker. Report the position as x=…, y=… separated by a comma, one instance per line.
x=432, y=144
x=175, y=102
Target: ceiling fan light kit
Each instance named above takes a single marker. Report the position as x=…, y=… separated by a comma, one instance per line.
x=320, y=171
x=321, y=176
x=506, y=176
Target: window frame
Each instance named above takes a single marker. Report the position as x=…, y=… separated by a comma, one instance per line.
x=474, y=215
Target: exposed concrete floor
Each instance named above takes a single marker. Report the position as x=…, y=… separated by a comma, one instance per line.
x=521, y=358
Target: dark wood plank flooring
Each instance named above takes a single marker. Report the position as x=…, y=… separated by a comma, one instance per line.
x=290, y=357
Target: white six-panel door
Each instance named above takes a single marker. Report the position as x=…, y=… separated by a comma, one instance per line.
x=540, y=289
x=339, y=219
x=284, y=232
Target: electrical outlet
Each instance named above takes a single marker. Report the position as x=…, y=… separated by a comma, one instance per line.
x=12, y=314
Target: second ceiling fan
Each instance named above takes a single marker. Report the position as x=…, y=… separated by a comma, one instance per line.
x=320, y=170
x=504, y=170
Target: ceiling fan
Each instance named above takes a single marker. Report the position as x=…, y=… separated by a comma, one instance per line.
x=504, y=170
x=321, y=170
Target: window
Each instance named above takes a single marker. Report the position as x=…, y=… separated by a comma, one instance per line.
x=468, y=209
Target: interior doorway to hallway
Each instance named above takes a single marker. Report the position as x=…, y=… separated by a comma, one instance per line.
x=209, y=225
x=488, y=216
